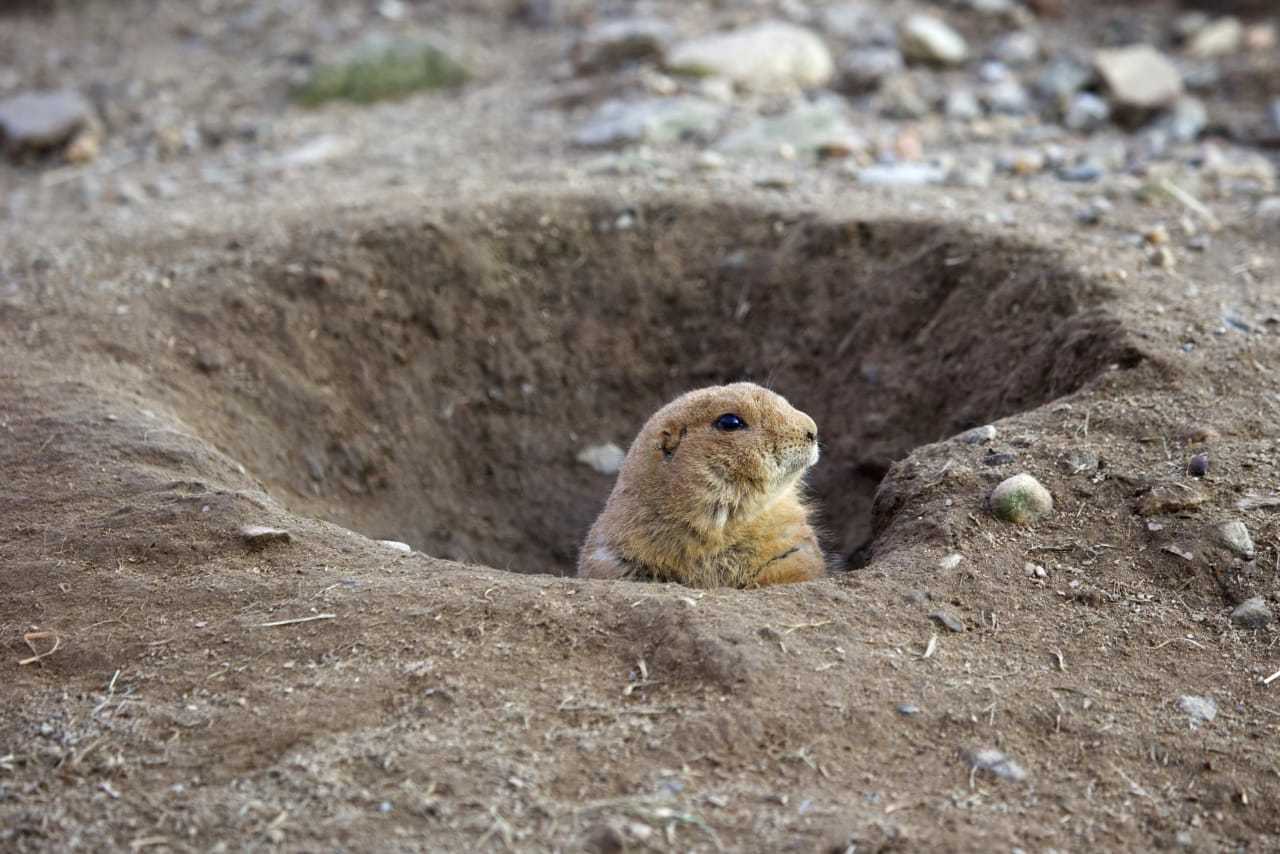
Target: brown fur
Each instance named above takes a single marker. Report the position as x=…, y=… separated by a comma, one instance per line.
x=708, y=507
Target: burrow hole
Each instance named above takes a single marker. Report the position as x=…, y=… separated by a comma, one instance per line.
x=433, y=380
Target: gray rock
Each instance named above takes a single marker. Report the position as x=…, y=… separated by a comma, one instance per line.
x=1235, y=536
x=1062, y=78
x=1139, y=76
x=971, y=172
x=962, y=105
x=900, y=98
x=1086, y=112
x=1081, y=173
x=807, y=128
x=1273, y=116
x=978, y=435
x=996, y=458
x=863, y=69
x=614, y=43
x=901, y=175
x=859, y=25
x=1200, y=75
x=654, y=120
x=38, y=121
x=908, y=710
x=995, y=762
x=772, y=56
x=948, y=621
x=1252, y=614
x=1007, y=97
x=1021, y=500
x=606, y=458
x=1082, y=461
x=1218, y=38
x=1016, y=49
x=1268, y=209
x=925, y=38
x=1200, y=710
x=1184, y=121
x=1188, y=24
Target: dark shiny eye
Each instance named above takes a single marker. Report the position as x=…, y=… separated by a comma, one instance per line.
x=729, y=421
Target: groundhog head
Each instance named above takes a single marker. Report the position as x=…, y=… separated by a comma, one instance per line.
x=728, y=451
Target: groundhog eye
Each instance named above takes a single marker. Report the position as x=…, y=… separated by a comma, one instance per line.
x=729, y=421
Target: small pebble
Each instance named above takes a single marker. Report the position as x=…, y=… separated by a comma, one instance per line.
x=951, y=561
x=261, y=536
x=1164, y=499
x=947, y=621
x=1021, y=500
x=1252, y=614
x=1198, y=466
x=995, y=762
x=1163, y=257
x=396, y=545
x=1094, y=212
x=1199, y=709
x=1002, y=458
x=908, y=709
x=1086, y=112
x=1080, y=173
x=978, y=435
x=1235, y=536
x=925, y=38
x=1034, y=570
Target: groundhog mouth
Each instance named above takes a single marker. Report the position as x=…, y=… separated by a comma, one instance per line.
x=795, y=461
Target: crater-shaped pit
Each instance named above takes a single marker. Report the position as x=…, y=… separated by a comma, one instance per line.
x=433, y=380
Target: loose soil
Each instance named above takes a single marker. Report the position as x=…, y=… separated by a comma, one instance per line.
x=414, y=342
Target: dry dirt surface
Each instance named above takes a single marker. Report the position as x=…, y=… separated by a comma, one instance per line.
x=403, y=321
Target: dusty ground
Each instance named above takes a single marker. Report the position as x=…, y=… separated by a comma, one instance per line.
x=411, y=335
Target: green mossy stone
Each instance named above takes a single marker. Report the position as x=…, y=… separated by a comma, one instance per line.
x=1021, y=500
x=392, y=72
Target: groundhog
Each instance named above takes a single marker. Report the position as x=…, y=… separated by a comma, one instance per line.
x=709, y=495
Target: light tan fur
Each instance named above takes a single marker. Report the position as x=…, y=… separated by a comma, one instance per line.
x=708, y=507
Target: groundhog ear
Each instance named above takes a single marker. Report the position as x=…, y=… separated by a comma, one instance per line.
x=670, y=441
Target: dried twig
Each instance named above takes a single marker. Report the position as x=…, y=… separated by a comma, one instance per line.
x=29, y=637
x=296, y=620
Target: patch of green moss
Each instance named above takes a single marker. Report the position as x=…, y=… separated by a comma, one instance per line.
x=392, y=72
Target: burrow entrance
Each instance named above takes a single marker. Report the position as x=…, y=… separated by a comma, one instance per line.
x=433, y=380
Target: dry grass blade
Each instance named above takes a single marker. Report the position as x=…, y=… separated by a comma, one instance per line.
x=297, y=620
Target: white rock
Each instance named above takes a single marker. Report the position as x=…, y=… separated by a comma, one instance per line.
x=606, y=458
x=1139, y=76
x=997, y=763
x=924, y=38
x=1218, y=38
x=1199, y=709
x=772, y=56
x=396, y=545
